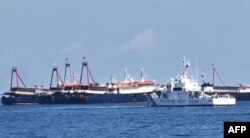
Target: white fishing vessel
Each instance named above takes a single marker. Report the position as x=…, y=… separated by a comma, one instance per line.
x=185, y=91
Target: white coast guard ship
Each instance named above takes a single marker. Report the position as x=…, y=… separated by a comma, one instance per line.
x=185, y=91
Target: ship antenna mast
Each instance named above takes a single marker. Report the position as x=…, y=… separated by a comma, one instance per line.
x=203, y=77
x=197, y=70
x=142, y=74
x=186, y=64
x=125, y=74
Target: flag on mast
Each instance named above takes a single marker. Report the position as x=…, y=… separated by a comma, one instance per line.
x=186, y=63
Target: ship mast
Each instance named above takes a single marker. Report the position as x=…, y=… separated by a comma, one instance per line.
x=142, y=74
x=58, y=78
x=215, y=72
x=67, y=68
x=18, y=78
x=88, y=73
x=203, y=77
x=186, y=64
x=73, y=82
x=125, y=75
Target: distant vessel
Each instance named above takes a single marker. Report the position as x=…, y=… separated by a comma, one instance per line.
x=240, y=92
x=20, y=94
x=128, y=91
x=185, y=91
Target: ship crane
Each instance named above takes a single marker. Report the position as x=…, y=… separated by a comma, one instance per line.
x=18, y=78
x=73, y=82
x=215, y=72
x=67, y=68
x=59, y=82
x=88, y=73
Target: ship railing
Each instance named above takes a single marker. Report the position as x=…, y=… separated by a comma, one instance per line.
x=223, y=96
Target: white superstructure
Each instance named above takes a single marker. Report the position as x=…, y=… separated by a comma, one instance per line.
x=126, y=86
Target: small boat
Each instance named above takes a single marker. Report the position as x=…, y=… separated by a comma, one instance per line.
x=185, y=91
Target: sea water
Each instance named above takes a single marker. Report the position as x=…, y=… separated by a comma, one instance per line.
x=112, y=121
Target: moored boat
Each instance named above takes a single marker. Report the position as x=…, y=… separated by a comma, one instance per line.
x=20, y=94
x=76, y=92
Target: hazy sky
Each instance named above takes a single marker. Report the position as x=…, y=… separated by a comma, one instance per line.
x=35, y=35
